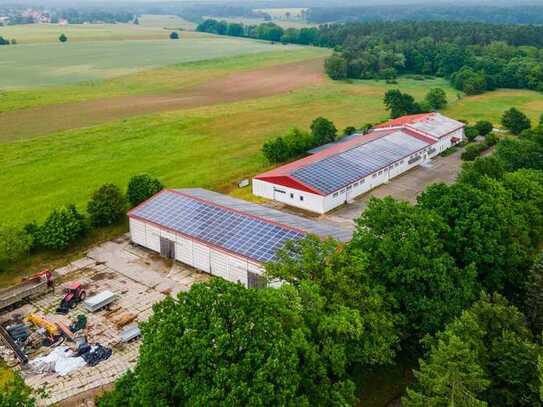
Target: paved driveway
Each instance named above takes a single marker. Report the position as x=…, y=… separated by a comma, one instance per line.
x=405, y=187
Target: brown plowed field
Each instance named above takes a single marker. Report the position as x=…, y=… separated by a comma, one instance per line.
x=236, y=87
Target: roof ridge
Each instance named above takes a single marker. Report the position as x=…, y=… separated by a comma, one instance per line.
x=237, y=211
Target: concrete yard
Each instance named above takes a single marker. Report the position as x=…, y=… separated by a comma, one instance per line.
x=139, y=278
x=406, y=187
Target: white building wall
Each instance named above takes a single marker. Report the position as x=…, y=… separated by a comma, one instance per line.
x=290, y=196
x=196, y=254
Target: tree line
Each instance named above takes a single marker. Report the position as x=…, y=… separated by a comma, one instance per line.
x=488, y=13
x=266, y=31
x=65, y=225
x=456, y=278
x=476, y=57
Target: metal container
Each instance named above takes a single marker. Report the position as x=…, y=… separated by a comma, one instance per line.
x=99, y=301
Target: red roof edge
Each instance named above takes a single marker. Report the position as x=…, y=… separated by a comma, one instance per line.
x=289, y=182
x=401, y=121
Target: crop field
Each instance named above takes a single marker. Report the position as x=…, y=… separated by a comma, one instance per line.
x=153, y=29
x=56, y=63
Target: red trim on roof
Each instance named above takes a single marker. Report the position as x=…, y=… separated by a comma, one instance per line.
x=321, y=155
x=402, y=121
x=289, y=182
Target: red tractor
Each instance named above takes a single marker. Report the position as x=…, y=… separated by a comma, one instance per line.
x=73, y=295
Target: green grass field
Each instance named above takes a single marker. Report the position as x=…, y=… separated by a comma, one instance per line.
x=165, y=79
x=151, y=27
x=211, y=147
x=56, y=64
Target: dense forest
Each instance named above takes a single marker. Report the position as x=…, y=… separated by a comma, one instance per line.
x=517, y=14
x=475, y=56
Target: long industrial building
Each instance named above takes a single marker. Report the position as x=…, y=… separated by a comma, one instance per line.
x=345, y=170
x=218, y=234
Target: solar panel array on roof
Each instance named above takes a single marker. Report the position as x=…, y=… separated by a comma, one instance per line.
x=238, y=233
x=436, y=125
x=322, y=228
x=338, y=171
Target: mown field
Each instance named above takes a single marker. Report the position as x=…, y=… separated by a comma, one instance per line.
x=71, y=62
x=155, y=81
x=151, y=27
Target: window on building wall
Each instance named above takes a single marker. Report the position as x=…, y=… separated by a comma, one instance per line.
x=380, y=172
x=301, y=198
x=356, y=184
x=280, y=191
x=335, y=195
x=291, y=195
x=362, y=181
x=342, y=191
x=374, y=175
x=349, y=187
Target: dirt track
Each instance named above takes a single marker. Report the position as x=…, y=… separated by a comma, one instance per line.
x=239, y=86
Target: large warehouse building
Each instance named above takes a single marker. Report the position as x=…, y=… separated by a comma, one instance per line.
x=344, y=170
x=218, y=234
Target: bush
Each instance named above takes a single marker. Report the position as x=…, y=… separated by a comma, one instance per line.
x=61, y=228
x=471, y=133
x=14, y=243
x=436, y=98
x=142, y=187
x=349, y=130
x=484, y=127
x=323, y=131
x=473, y=151
x=491, y=140
x=280, y=149
x=515, y=121
x=63, y=38
x=366, y=128
x=174, y=35
x=106, y=206
x=336, y=67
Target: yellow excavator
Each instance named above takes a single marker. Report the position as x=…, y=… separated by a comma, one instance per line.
x=50, y=327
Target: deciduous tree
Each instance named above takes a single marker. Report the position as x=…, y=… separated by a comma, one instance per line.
x=437, y=98
x=323, y=131
x=515, y=121
x=142, y=187
x=106, y=206
x=406, y=249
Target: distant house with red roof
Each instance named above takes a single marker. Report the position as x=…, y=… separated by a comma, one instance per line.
x=344, y=170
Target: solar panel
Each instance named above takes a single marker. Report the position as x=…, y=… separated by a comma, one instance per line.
x=233, y=231
x=338, y=171
x=437, y=125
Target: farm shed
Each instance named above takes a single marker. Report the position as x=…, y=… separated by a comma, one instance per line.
x=337, y=174
x=218, y=234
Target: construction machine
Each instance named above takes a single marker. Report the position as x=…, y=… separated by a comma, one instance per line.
x=73, y=295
